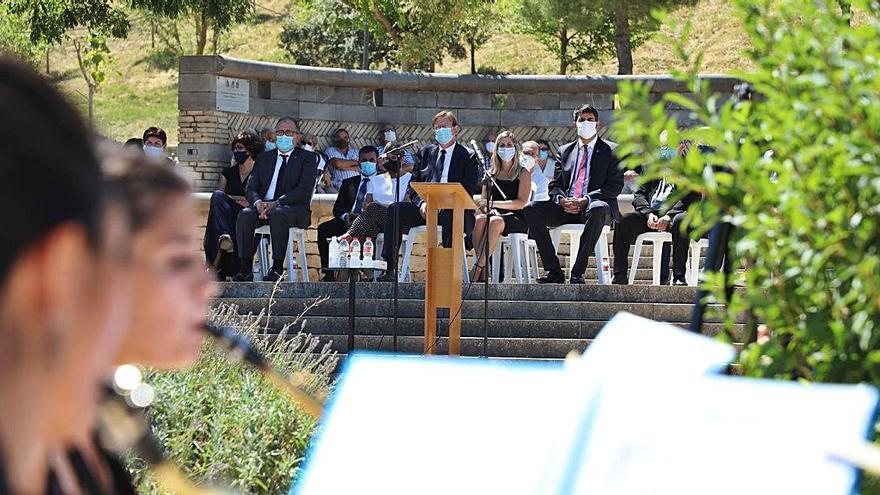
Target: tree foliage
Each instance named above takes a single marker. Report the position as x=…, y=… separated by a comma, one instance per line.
x=50, y=20
x=797, y=173
x=214, y=16
x=331, y=34
x=15, y=39
x=573, y=30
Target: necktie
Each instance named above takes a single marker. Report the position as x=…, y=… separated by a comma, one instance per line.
x=579, y=182
x=362, y=193
x=438, y=167
x=282, y=172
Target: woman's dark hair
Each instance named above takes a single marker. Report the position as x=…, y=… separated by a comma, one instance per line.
x=251, y=142
x=52, y=173
x=144, y=186
x=157, y=132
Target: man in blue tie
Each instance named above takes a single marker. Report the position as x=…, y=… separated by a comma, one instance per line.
x=279, y=192
x=584, y=190
x=444, y=162
x=348, y=206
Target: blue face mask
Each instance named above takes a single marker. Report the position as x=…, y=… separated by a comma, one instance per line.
x=443, y=135
x=544, y=154
x=667, y=153
x=368, y=169
x=240, y=156
x=270, y=145
x=284, y=143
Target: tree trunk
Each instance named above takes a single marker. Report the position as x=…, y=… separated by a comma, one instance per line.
x=563, y=50
x=473, y=58
x=201, y=33
x=622, y=40
x=47, y=60
x=153, y=34
x=92, y=106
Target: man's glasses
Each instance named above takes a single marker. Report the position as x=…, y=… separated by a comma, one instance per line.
x=285, y=133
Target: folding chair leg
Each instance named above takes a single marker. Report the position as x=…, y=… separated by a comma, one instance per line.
x=635, y=261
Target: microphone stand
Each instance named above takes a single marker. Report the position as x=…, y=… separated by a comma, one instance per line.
x=487, y=183
x=395, y=288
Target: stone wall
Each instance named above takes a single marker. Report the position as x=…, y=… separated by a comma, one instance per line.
x=323, y=100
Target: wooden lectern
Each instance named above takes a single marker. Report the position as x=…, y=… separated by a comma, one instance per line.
x=444, y=265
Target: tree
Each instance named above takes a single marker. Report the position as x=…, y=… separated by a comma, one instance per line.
x=216, y=16
x=629, y=23
x=93, y=57
x=806, y=216
x=568, y=29
x=14, y=37
x=330, y=34
x=476, y=27
x=422, y=31
x=49, y=21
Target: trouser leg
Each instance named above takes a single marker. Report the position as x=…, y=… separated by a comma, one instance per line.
x=596, y=216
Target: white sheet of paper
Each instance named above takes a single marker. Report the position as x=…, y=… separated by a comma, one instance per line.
x=405, y=425
x=721, y=435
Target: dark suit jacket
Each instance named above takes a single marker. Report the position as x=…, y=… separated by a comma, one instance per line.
x=299, y=180
x=606, y=175
x=346, y=197
x=464, y=168
x=642, y=201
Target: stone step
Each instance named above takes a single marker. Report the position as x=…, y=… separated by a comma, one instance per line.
x=472, y=327
x=531, y=312
x=497, y=292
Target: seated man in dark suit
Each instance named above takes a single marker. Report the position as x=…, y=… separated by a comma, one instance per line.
x=584, y=190
x=349, y=204
x=279, y=192
x=444, y=162
x=654, y=213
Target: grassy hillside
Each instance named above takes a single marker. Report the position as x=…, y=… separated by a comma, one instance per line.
x=142, y=90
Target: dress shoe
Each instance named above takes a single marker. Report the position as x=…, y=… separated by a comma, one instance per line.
x=577, y=280
x=619, y=281
x=552, y=278
x=272, y=276
x=679, y=282
x=388, y=276
x=243, y=277
x=226, y=243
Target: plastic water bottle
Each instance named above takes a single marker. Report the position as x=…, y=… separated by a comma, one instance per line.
x=333, y=262
x=354, y=260
x=368, y=252
x=343, y=253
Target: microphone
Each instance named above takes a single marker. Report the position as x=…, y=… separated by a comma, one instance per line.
x=239, y=348
x=399, y=148
x=479, y=152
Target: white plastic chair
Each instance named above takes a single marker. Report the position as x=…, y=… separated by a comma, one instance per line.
x=693, y=269
x=294, y=235
x=513, y=250
x=574, y=232
x=656, y=239
x=409, y=240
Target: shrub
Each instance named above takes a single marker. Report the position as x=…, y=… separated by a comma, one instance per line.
x=223, y=423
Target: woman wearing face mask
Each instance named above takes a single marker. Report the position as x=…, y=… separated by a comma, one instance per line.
x=226, y=202
x=379, y=196
x=515, y=182
x=63, y=284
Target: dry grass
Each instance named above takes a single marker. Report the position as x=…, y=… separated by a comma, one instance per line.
x=142, y=90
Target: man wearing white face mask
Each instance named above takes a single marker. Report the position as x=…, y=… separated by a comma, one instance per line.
x=584, y=190
x=390, y=139
x=444, y=162
x=489, y=146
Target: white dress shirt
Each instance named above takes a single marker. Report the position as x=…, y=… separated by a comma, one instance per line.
x=540, y=185
x=444, y=177
x=382, y=188
x=270, y=193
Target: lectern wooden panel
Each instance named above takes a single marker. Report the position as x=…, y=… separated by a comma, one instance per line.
x=444, y=265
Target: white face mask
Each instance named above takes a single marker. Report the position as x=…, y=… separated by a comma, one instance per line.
x=528, y=162
x=586, y=129
x=154, y=151
x=490, y=146
x=308, y=147
x=390, y=136
x=506, y=153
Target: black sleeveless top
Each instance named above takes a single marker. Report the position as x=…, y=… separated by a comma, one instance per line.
x=234, y=185
x=510, y=189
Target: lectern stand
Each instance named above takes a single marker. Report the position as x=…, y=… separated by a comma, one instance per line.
x=444, y=265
